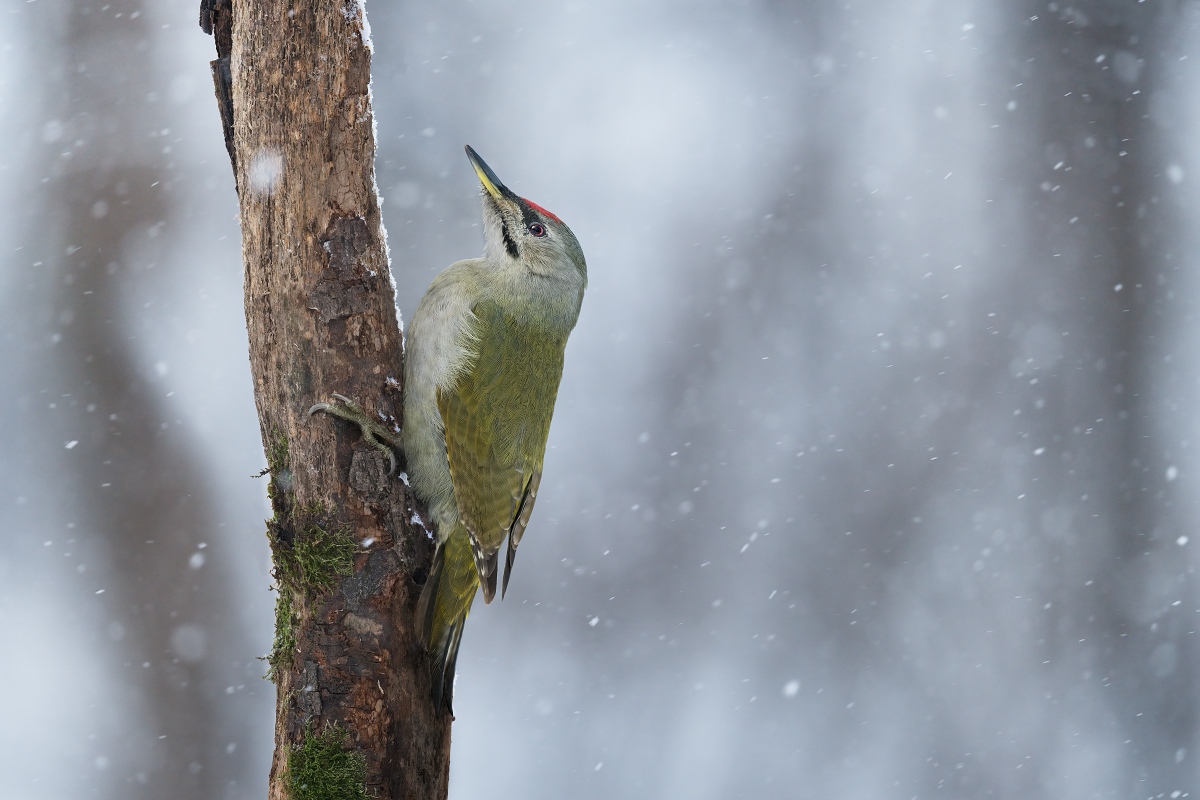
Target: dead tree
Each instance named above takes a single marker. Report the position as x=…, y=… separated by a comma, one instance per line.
x=354, y=716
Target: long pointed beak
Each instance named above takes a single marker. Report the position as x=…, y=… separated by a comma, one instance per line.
x=488, y=178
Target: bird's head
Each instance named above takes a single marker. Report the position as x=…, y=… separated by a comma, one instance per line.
x=521, y=233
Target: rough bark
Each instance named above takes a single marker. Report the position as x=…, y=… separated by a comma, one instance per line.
x=321, y=316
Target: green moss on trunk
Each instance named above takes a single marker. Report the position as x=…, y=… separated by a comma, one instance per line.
x=317, y=558
x=284, y=645
x=310, y=553
x=323, y=767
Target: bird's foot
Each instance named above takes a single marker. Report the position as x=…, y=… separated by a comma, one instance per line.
x=374, y=432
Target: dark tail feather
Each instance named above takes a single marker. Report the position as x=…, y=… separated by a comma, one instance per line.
x=429, y=593
x=444, y=666
x=448, y=652
x=442, y=614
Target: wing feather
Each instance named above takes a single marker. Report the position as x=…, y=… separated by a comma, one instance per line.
x=497, y=421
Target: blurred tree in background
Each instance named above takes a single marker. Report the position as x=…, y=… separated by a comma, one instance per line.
x=102, y=454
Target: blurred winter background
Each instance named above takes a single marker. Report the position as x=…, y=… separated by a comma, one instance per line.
x=873, y=472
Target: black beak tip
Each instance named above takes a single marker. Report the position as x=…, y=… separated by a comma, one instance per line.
x=481, y=166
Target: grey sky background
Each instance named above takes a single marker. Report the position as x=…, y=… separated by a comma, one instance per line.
x=872, y=471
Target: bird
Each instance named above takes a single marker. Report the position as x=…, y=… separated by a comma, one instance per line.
x=484, y=360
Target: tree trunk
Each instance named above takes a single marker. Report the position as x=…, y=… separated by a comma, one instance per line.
x=354, y=713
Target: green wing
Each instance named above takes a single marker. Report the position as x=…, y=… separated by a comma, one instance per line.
x=497, y=421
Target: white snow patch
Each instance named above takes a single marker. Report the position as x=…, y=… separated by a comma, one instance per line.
x=52, y=131
x=189, y=642
x=356, y=11
x=266, y=168
x=407, y=193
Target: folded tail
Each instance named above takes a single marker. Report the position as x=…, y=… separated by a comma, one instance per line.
x=442, y=610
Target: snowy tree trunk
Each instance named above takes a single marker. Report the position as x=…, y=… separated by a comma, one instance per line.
x=354, y=713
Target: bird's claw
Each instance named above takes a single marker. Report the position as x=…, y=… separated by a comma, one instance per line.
x=373, y=432
x=346, y=402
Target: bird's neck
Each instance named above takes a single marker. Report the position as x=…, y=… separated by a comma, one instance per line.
x=543, y=301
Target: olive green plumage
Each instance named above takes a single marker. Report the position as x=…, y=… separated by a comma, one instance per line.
x=485, y=357
x=497, y=420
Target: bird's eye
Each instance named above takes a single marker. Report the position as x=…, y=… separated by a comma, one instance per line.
x=537, y=229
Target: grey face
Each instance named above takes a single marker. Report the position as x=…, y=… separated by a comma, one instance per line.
x=519, y=230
